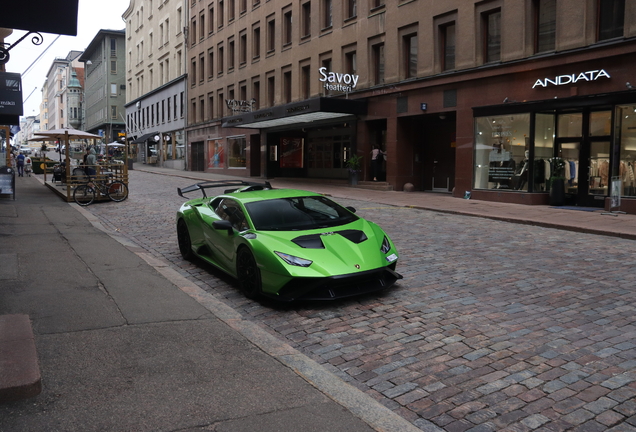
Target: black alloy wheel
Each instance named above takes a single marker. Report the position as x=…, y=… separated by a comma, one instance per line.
x=249, y=276
x=183, y=238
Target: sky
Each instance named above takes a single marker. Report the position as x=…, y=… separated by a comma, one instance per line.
x=93, y=16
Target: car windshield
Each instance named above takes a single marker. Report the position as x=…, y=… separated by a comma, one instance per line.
x=304, y=213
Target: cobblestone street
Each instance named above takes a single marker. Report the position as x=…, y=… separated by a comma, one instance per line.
x=495, y=326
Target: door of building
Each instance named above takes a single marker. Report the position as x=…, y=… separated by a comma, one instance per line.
x=583, y=142
x=198, y=156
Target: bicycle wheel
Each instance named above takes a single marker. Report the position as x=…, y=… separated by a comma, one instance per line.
x=84, y=195
x=117, y=191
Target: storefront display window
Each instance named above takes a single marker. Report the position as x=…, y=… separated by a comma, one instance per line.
x=626, y=137
x=502, y=145
x=237, y=148
x=180, y=145
x=543, y=150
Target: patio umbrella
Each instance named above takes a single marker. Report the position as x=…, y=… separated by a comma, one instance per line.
x=115, y=144
x=66, y=134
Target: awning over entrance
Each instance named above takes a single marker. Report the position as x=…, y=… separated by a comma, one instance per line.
x=143, y=138
x=297, y=113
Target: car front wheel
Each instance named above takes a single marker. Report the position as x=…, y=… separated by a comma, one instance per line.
x=249, y=276
x=183, y=238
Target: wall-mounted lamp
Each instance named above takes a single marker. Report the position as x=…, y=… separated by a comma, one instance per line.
x=628, y=85
x=88, y=62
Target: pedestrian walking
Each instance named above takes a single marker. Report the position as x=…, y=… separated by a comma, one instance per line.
x=19, y=160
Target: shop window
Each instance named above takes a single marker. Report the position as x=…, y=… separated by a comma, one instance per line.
x=502, y=151
x=545, y=19
x=543, y=150
x=570, y=125
x=217, y=156
x=611, y=19
x=625, y=135
x=237, y=149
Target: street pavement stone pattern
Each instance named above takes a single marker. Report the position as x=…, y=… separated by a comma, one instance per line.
x=495, y=326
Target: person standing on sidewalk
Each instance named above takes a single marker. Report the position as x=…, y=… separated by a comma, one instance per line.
x=377, y=157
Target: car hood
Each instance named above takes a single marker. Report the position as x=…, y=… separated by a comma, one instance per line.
x=345, y=249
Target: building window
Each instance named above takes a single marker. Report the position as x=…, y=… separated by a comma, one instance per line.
x=201, y=109
x=352, y=8
x=287, y=28
x=448, y=46
x=194, y=111
x=193, y=76
x=306, y=82
x=271, y=35
x=220, y=14
x=242, y=6
x=231, y=10
x=211, y=20
x=377, y=3
x=327, y=17
x=174, y=103
x=306, y=19
x=168, y=109
x=221, y=107
x=271, y=91
x=492, y=36
x=113, y=66
x=256, y=93
x=378, y=63
x=210, y=64
x=220, y=60
x=230, y=56
x=256, y=43
x=243, y=49
x=163, y=111
x=351, y=62
x=326, y=63
x=545, y=33
x=210, y=106
x=410, y=56
x=201, y=68
x=193, y=38
x=113, y=89
x=611, y=19
x=182, y=103
x=287, y=86
x=202, y=26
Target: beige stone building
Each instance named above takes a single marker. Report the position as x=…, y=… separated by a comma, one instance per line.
x=492, y=99
x=155, y=81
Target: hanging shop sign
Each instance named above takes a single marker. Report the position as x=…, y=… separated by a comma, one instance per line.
x=571, y=79
x=240, y=105
x=337, y=81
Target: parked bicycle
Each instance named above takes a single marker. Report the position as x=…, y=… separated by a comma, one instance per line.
x=85, y=194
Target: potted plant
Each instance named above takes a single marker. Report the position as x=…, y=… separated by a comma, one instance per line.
x=557, y=182
x=353, y=164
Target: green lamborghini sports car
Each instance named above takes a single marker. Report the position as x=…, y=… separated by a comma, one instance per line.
x=286, y=244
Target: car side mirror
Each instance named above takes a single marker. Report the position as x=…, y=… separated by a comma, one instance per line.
x=351, y=209
x=224, y=226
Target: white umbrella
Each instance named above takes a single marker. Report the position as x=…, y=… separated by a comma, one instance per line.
x=115, y=144
x=67, y=134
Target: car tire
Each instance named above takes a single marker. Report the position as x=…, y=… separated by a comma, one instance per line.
x=183, y=238
x=248, y=274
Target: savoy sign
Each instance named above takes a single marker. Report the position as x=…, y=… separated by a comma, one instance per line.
x=338, y=81
x=592, y=75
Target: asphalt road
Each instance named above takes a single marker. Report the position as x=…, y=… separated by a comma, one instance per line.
x=495, y=326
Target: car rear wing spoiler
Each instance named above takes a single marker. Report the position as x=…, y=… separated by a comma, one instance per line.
x=237, y=184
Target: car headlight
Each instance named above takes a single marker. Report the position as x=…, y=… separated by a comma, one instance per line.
x=386, y=245
x=294, y=260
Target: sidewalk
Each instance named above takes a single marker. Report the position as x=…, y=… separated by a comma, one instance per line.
x=565, y=218
x=123, y=342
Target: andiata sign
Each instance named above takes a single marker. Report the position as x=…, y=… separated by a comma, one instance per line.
x=338, y=81
x=592, y=75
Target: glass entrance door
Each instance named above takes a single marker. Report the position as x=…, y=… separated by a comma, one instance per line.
x=583, y=143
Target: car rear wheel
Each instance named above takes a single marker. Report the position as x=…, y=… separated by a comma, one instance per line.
x=249, y=276
x=183, y=237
